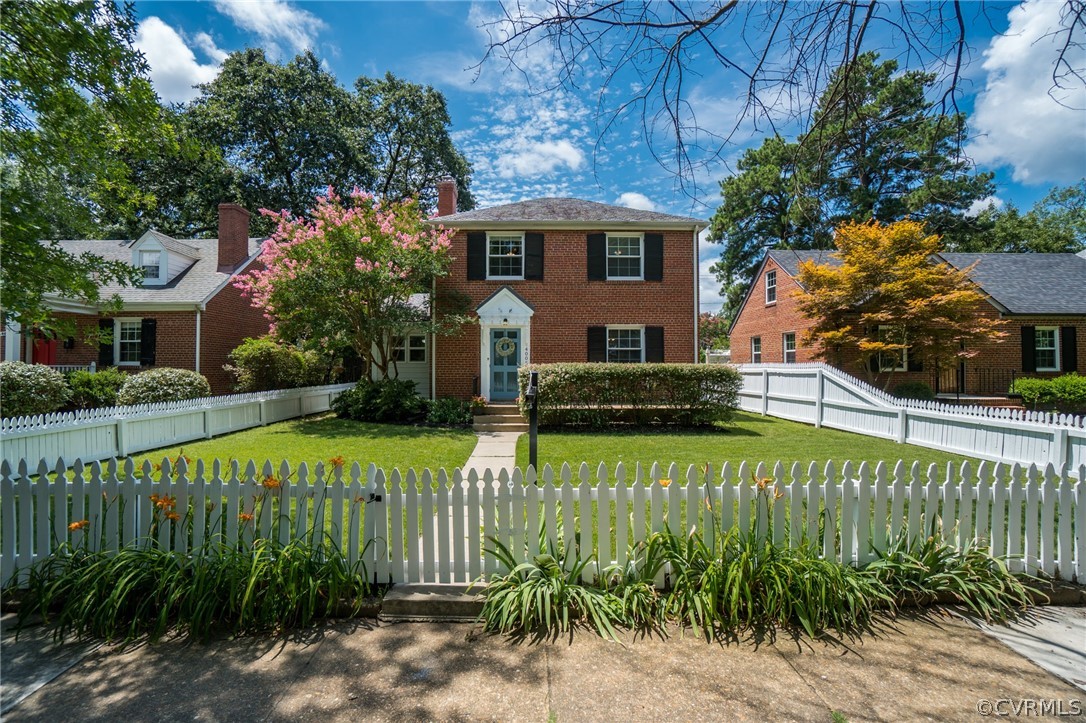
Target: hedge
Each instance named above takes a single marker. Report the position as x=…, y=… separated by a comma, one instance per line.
x=28, y=389
x=1063, y=393
x=598, y=395
x=163, y=384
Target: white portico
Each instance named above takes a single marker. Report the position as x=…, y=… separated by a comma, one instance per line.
x=505, y=326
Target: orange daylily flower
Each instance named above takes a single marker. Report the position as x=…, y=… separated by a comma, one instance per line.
x=271, y=483
x=78, y=525
x=664, y=482
x=245, y=517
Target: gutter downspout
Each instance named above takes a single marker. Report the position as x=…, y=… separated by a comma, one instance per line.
x=199, y=312
x=433, y=340
x=697, y=298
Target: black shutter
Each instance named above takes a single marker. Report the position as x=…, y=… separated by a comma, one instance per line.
x=915, y=364
x=873, y=364
x=654, y=344
x=1068, y=350
x=1029, y=348
x=105, y=351
x=147, y=342
x=476, y=255
x=533, y=256
x=597, y=257
x=654, y=257
x=597, y=343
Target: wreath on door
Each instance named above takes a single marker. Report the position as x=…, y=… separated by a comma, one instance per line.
x=505, y=346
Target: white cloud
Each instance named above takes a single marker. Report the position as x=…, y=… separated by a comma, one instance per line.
x=1020, y=119
x=275, y=21
x=207, y=46
x=174, y=68
x=982, y=204
x=708, y=287
x=539, y=158
x=632, y=199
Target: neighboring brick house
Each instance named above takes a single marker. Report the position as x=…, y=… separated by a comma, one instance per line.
x=187, y=314
x=563, y=280
x=1042, y=297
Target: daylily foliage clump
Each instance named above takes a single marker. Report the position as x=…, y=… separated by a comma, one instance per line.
x=344, y=276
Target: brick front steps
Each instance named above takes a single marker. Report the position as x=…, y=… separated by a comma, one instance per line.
x=501, y=418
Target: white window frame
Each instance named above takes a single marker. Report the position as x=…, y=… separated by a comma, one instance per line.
x=405, y=345
x=770, y=275
x=784, y=347
x=756, y=350
x=504, y=235
x=624, y=327
x=640, y=251
x=1055, y=348
x=117, y=341
x=903, y=366
x=158, y=266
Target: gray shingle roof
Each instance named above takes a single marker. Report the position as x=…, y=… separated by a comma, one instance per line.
x=193, y=285
x=544, y=211
x=1020, y=283
x=1029, y=283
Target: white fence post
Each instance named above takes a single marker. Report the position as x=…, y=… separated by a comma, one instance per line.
x=902, y=424
x=1058, y=451
x=821, y=393
x=765, y=392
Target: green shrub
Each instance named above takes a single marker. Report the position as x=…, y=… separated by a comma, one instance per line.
x=163, y=385
x=145, y=590
x=601, y=394
x=1062, y=393
x=913, y=390
x=449, y=411
x=388, y=400
x=96, y=389
x=28, y=389
x=265, y=364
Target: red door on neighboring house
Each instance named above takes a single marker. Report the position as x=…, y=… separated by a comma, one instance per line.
x=45, y=350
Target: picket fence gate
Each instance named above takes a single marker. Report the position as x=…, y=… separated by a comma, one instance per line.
x=435, y=527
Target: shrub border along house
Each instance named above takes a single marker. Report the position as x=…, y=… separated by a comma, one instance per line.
x=599, y=395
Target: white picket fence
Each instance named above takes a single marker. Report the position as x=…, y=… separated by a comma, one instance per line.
x=435, y=526
x=821, y=395
x=106, y=432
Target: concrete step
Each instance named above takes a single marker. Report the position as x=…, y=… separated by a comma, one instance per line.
x=502, y=408
x=498, y=418
x=433, y=601
x=521, y=426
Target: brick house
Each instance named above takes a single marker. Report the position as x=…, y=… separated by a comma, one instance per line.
x=1042, y=297
x=187, y=314
x=563, y=280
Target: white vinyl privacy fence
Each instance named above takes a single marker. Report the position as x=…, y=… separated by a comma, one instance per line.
x=826, y=397
x=96, y=434
x=435, y=527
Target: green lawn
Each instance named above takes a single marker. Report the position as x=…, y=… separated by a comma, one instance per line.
x=317, y=439
x=752, y=438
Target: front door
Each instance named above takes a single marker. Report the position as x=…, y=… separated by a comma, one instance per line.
x=504, y=362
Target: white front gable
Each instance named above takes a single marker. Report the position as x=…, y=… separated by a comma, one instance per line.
x=161, y=265
x=505, y=308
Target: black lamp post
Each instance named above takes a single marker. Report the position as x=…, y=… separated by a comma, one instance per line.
x=533, y=420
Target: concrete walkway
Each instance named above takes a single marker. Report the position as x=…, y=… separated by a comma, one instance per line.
x=1051, y=636
x=931, y=668
x=494, y=451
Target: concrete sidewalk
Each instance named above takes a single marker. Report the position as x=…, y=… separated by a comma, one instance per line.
x=934, y=668
x=494, y=451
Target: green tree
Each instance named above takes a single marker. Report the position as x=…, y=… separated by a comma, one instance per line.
x=286, y=131
x=410, y=145
x=1055, y=224
x=874, y=150
x=72, y=90
x=712, y=332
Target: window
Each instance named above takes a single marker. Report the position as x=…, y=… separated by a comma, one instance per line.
x=150, y=263
x=413, y=351
x=1047, y=346
x=789, y=344
x=770, y=287
x=127, y=342
x=624, y=254
x=625, y=344
x=756, y=350
x=892, y=361
x=505, y=256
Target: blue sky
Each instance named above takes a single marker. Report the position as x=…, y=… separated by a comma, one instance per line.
x=524, y=144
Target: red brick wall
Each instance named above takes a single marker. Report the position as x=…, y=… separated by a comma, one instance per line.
x=988, y=371
x=175, y=339
x=566, y=304
x=771, y=321
x=227, y=320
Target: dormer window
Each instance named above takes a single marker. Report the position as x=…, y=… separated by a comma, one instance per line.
x=150, y=262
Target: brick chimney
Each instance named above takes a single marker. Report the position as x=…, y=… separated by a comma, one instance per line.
x=446, y=197
x=233, y=236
